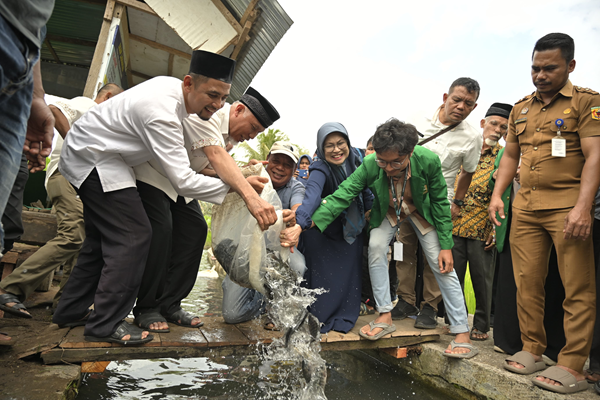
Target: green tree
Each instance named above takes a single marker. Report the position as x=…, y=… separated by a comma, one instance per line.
x=263, y=144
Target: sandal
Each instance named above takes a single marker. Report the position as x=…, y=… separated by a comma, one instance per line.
x=124, y=328
x=469, y=346
x=145, y=320
x=185, y=317
x=14, y=310
x=385, y=330
x=527, y=361
x=475, y=332
x=6, y=342
x=569, y=383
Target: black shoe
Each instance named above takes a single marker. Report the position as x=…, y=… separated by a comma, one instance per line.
x=426, y=318
x=403, y=310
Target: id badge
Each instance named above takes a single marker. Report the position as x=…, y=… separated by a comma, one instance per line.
x=559, y=146
x=398, y=251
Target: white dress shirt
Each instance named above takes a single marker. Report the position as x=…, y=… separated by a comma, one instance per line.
x=72, y=110
x=197, y=134
x=138, y=125
x=458, y=147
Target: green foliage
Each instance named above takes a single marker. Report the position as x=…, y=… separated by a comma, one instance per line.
x=262, y=145
x=469, y=293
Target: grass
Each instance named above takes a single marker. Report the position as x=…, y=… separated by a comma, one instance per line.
x=469, y=294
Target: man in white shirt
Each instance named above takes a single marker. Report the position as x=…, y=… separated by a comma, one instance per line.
x=178, y=226
x=459, y=145
x=64, y=248
x=97, y=158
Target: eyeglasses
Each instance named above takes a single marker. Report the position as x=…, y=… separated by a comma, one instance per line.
x=394, y=164
x=342, y=145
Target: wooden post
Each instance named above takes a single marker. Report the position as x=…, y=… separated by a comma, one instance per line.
x=94, y=366
x=90, y=89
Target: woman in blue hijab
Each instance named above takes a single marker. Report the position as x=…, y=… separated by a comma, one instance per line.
x=334, y=257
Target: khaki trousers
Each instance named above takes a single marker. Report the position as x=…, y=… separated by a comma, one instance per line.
x=531, y=237
x=62, y=250
x=407, y=271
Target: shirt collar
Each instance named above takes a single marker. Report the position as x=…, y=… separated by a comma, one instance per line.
x=566, y=91
x=435, y=120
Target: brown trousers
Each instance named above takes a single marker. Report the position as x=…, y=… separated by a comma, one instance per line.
x=407, y=271
x=531, y=237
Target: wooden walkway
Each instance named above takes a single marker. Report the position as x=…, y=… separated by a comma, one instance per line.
x=66, y=345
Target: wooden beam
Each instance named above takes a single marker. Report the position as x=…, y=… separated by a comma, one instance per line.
x=138, y=5
x=141, y=75
x=90, y=83
x=49, y=46
x=228, y=16
x=71, y=40
x=94, y=366
x=249, y=10
x=241, y=40
x=160, y=46
x=170, y=68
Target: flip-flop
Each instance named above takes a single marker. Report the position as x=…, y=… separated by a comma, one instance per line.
x=9, y=342
x=145, y=320
x=386, y=330
x=13, y=310
x=185, y=317
x=526, y=360
x=568, y=381
x=123, y=329
x=476, y=331
x=469, y=346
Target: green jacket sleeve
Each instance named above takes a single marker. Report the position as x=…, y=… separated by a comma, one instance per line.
x=501, y=230
x=440, y=207
x=334, y=204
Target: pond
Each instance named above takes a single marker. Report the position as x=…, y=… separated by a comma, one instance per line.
x=351, y=374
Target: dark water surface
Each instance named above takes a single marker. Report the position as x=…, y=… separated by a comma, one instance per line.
x=351, y=374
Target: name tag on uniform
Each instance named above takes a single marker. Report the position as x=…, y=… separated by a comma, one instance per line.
x=559, y=147
x=398, y=251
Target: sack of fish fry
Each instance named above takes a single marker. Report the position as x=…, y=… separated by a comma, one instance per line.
x=241, y=247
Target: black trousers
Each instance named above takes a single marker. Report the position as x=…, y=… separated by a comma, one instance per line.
x=109, y=269
x=12, y=220
x=178, y=236
x=595, y=351
x=507, y=334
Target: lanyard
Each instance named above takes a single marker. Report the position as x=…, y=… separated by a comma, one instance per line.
x=398, y=204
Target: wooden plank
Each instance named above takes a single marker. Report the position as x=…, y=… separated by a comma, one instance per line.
x=334, y=336
x=39, y=228
x=94, y=366
x=11, y=257
x=241, y=40
x=228, y=16
x=255, y=332
x=47, y=339
x=248, y=12
x=377, y=344
x=160, y=46
x=182, y=337
x=218, y=333
x=138, y=5
x=74, y=339
x=90, y=84
x=49, y=46
x=7, y=270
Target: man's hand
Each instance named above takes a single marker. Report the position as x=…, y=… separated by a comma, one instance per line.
x=40, y=130
x=254, y=162
x=263, y=212
x=496, y=206
x=578, y=224
x=454, y=211
x=257, y=183
x=445, y=261
x=518, y=176
x=289, y=236
x=289, y=217
x=490, y=242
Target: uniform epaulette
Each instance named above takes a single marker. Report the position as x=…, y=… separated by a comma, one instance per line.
x=525, y=98
x=585, y=90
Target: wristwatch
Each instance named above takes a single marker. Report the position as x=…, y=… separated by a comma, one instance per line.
x=458, y=202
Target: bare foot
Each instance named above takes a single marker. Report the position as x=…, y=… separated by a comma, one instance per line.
x=12, y=304
x=160, y=325
x=460, y=338
x=476, y=334
x=591, y=376
x=194, y=322
x=383, y=317
x=521, y=366
x=144, y=336
x=4, y=337
x=576, y=374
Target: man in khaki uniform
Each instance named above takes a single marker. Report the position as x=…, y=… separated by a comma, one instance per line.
x=559, y=178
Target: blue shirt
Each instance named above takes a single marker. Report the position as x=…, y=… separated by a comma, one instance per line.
x=291, y=193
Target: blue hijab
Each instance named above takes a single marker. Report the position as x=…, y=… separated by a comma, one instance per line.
x=354, y=216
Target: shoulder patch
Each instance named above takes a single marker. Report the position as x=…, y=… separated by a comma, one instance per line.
x=525, y=98
x=585, y=90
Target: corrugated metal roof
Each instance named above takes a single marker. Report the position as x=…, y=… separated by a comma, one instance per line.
x=268, y=29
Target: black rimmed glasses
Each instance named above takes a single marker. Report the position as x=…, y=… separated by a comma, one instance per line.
x=394, y=164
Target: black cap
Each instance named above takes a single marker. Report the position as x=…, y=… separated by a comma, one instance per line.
x=264, y=111
x=212, y=65
x=499, y=109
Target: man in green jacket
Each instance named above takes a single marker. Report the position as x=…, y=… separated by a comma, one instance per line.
x=422, y=203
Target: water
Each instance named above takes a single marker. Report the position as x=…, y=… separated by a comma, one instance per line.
x=350, y=375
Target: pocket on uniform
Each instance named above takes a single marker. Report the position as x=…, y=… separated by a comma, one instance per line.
x=569, y=125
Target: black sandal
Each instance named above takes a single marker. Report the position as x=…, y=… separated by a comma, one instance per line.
x=14, y=310
x=185, y=317
x=124, y=328
x=145, y=320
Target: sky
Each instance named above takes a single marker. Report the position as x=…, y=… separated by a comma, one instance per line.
x=361, y=63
